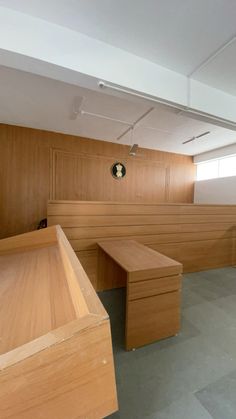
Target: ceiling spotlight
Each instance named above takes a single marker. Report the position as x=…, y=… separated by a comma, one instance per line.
x=133, y=149
x=101, y=84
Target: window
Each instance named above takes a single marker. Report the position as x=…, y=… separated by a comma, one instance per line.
x=227, y=166
x=212, y=169
x=208, y=170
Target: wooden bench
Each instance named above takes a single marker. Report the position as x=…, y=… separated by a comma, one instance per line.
x=153, y=289
x=56, y=357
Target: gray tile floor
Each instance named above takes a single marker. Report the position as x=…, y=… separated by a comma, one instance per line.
x=191, y=376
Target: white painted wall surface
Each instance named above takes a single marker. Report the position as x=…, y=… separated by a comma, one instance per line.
x=216, y=154
x=215, y=191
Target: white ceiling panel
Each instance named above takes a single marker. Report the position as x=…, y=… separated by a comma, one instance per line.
x=172, y=140
x=220, y=72
x=39, y=102
x=112, y=107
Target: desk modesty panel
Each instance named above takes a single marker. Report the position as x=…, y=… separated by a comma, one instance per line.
x=153, y=293
x=56, y=357
x=198, y=236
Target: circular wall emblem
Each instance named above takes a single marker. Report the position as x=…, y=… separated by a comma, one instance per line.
x=118, y=170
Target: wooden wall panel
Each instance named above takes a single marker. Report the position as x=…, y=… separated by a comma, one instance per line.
x=24, y=186
x=37, y=165
x=76, y=176
x=199, y=236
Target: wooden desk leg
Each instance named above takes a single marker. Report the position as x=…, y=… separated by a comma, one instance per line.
x=110, y=275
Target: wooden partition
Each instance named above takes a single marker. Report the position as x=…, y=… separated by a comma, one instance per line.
x=56, y=359
x=199, y=236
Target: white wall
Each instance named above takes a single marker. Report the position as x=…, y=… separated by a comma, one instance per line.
x=228, y=150
x=215, y=191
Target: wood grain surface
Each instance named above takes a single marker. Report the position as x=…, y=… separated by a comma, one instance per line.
x=198, y=236
x=37, y=165
x=56, y=357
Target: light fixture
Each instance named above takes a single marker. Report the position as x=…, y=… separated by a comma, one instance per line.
x=133, y=150
x=183, y=109
x=196, y=137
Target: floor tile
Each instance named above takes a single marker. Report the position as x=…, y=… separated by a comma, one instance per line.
x=159, y=381
x=228, y=305
x=208, y=290
x=187, y=407
x=219, y=398
x=225, y=278
x=190, y=298
x=208, y=316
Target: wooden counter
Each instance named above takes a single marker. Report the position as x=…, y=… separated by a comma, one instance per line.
x=56, y=356
x=153, y=289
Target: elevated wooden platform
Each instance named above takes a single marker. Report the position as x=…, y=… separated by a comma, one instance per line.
x=56, y=357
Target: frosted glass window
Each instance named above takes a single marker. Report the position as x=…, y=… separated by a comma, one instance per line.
x=207, y=170
x=227, y=166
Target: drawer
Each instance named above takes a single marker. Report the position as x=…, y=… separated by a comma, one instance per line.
x=153, y=318
x=151, y=287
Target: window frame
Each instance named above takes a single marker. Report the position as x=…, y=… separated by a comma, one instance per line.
x=218, y=160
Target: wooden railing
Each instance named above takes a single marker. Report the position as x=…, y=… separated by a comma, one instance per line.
x=54, y=333
x=198, y=236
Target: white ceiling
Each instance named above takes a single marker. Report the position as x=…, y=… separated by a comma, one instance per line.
x=179, y=35
x=221, y=71
x=39, y=102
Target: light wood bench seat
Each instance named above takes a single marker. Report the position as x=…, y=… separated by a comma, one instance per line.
x=153, y=289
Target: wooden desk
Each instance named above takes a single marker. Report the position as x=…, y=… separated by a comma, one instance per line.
x=153, y=289
x=56, y=356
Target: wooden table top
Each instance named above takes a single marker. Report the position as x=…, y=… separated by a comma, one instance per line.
x=133, y=256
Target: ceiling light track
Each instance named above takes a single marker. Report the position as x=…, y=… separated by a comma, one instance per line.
x=78, y=111
x=183, y=109
x=135, y=123
x=97, y=115
x=103, y=85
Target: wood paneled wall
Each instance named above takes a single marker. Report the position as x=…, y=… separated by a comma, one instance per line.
x=199, y=236
x=83, y=177
x=37, y=165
